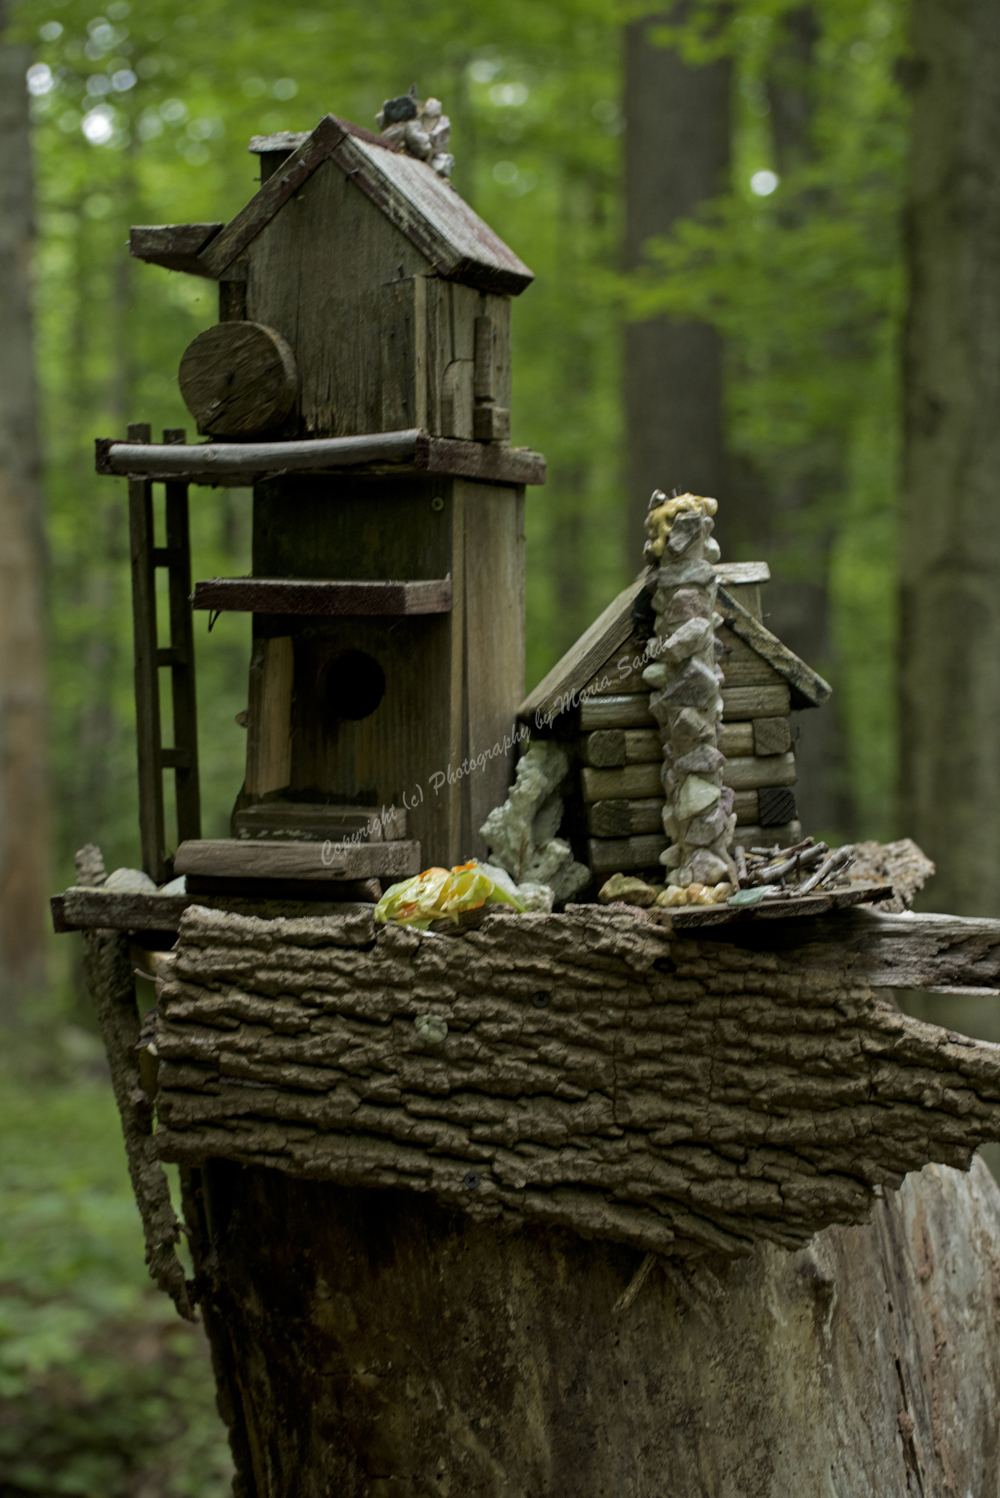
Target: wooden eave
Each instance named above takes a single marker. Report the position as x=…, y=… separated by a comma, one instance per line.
x=564, y=683
x=421, y=204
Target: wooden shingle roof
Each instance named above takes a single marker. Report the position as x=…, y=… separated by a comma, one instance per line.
x=422, y=205
x=611, y=629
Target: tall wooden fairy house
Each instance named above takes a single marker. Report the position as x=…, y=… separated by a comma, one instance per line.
x=359, y=378
x=595, y=699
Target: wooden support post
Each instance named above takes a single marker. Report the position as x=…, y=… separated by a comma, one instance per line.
x=182, y=648
x=147, y=685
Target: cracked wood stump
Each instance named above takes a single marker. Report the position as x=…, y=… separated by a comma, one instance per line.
x=417, y=1243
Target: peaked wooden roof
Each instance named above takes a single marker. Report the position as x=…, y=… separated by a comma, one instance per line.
x=609, y=631
x=421, y=204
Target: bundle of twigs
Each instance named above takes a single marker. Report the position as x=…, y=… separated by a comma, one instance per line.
x=777, y=873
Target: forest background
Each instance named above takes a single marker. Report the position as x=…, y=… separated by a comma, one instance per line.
x=141, y=114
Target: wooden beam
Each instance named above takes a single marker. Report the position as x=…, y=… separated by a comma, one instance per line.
x=612, y=747
x=615, y=712
x=625, y=818
x=749, y=773
x=809, y=688
x=755, y=702
x=290, y=820
x=269, y=715
x=80, y=909
x=241, y=463
x=738, y=739
x=239, y=858
x=612, y=855
x=174, y=246
x=271, y=595
x=632, y=782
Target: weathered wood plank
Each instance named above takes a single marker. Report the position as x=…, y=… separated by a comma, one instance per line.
x=737, y=739
x=625, y=818
x=753, y=835
x=80, y=909
x=612, y=855
x=611, y=712
x=818, y=903
x=273, y=194
x=277, y=595
x=152, y=834
x=288, y=820
x=250, y=858
x=174, y=246
x=755, y=702
x=269, y=715
x=742, y=573
x=807, y=685
x=183, y=694
x=770, y=736
x=749, y=773
x=631, y=782
x=611, y=747
x=241, y=463
x=741, y=665
x=560, y=688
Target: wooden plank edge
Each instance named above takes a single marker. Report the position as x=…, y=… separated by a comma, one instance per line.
x=808, y=683
x=327, y=597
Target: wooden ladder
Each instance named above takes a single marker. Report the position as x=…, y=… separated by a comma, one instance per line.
x=154, y=757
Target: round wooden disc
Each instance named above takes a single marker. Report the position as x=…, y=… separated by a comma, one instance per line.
x=238, y=379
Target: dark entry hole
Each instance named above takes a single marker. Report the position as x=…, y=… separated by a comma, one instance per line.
x=351, y=686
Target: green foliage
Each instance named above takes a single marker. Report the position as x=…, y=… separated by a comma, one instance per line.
x=99, y=1380
x=805, y=285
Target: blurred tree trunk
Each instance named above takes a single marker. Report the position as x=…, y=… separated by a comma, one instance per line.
x=774, y=520
x=676, y=155
x=24, y=795
x=950, y=517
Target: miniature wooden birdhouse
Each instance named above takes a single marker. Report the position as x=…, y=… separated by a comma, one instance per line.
x=359, y=379
x=596, y=699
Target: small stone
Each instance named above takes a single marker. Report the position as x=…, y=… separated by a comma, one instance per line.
x=674, y=894
x=703, y=760
x=699, y=894
x=695, y=686
x=696, y=796
x=672, y=857
x=130, y=881
x=712, y=552
x=657, y=676
x=707, y=868
x=432, y=1028
x=686, y=529
x=629, y=890
x=722, y=891
x=692, y=636
x=694, y=570
x=702, y=831
x=683, y=875
x=690, y=728
x=726, y=799
x=686, y=603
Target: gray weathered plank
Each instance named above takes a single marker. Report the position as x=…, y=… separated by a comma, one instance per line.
x=239, y=858
x=271, y=595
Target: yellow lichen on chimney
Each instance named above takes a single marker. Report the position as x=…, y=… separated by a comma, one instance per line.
x=661, y=518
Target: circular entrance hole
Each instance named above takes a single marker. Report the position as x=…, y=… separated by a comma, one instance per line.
x=352, y=686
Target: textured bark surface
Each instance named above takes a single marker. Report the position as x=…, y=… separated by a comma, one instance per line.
x=24, y=792
x=584, y=1070
x=676, y=156
x=374, y=1345
x=112, y=988
x=950, y=524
